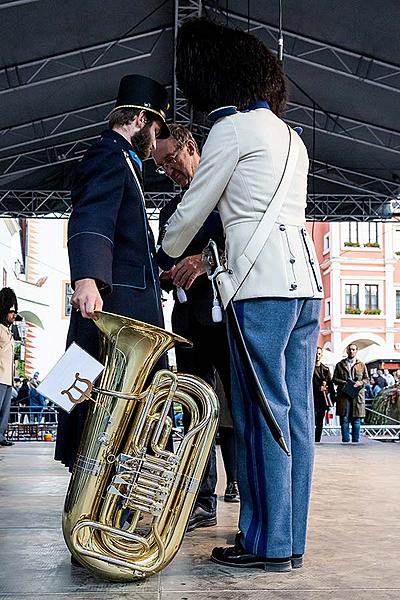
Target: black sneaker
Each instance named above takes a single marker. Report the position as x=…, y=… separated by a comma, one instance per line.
x=201, y=517
x=232, y=492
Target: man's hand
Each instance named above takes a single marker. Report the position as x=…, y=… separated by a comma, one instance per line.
x=86, y=298
x=358, y=384
x=187, y=270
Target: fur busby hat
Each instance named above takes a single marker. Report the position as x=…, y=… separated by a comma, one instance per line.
x=219, y=66
x=138, y=91
x=8, y=302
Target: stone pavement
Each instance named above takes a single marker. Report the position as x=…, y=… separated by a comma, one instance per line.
x=353, y=550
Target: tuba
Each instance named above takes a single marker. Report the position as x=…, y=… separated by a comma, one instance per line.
x=131, y=494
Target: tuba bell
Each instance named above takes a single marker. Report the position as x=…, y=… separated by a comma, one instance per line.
x=131, y=495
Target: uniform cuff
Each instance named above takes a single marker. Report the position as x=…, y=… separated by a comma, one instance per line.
x=165, y=262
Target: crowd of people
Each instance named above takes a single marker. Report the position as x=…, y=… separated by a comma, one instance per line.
x=349, y=389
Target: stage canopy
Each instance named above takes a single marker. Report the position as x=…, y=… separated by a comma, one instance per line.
x=61, y=63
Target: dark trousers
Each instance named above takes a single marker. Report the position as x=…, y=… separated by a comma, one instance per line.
x=319, y=424
x=210, y=352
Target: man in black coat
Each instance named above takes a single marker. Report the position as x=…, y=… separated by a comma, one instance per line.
x=323, y=392
x=178, y=157
x=110, y=243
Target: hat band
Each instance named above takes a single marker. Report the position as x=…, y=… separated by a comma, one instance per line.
x=159, y=113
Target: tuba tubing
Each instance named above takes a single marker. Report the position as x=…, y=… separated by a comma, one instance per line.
x=130, y=496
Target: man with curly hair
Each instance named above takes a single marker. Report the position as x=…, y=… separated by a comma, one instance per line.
x=8, y=314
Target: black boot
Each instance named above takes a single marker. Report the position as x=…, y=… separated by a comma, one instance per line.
x=232, y=492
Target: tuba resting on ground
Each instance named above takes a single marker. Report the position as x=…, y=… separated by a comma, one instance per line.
x=130, y=496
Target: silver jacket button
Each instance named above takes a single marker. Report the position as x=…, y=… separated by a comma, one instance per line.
x=292, y=260
x=282, y=227
x=293, y=287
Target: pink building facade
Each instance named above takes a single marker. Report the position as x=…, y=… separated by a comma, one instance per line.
x=360, y=269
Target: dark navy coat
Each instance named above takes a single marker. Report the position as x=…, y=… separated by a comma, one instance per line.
x=109, y=240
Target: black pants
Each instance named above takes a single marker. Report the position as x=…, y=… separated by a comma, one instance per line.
x=319, y=424
x=210, y=352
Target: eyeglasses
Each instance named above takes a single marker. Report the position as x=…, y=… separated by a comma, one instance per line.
x=170, y=161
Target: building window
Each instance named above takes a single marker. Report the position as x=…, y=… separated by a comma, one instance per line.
x=327, y=242
x=327, y=309
x=372, y=233
x=396, y=240
x=351, y=234
x=397, y=304
x=352, y=296
x=68, y=291
x=371, y=297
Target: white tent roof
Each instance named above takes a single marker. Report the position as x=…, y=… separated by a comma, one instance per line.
x=330, y=358
x=374, y=352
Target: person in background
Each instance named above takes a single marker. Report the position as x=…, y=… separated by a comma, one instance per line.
x=8, y=314
x=388, y=377
x=350, y=409
x=376, y=388
x=23, y=400
x=34, y=381
x=323, y=392
x=14, y=402
x=381, y=379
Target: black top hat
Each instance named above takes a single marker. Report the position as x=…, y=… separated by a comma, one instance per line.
x=137, y=91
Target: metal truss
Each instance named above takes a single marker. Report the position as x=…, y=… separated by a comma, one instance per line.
x=49, y=128
x=35, y=203
x=343, y=127
x=351, y=207
x=57, y=204
x=93, y=117
x=354, y=180
x=76, y=62
x=43, y=157
x=299, y=48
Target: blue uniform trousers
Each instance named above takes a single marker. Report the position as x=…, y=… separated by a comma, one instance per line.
x=281, y=337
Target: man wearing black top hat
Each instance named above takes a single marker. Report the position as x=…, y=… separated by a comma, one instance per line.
x=110, y=243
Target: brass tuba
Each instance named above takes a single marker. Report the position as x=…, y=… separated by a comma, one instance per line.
x=130, y=497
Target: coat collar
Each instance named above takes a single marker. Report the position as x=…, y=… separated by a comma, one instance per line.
x=124, y=144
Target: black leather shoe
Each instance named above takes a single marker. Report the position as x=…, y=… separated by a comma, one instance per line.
x=201, y=517
x=232, y=492
x=297, y=561
x=237, y=556
x=6, y=443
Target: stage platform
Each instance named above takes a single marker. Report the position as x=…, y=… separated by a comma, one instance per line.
x=353, y=551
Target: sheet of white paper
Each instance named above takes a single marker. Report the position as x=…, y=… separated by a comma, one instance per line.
x=62, y=375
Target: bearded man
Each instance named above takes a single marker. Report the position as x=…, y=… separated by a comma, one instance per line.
x=110, y=243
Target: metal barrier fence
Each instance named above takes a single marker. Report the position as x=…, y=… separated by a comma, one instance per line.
x=29, y=425
x=382, y=431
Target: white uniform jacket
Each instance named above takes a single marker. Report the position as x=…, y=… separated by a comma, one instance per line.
x=240, y=168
